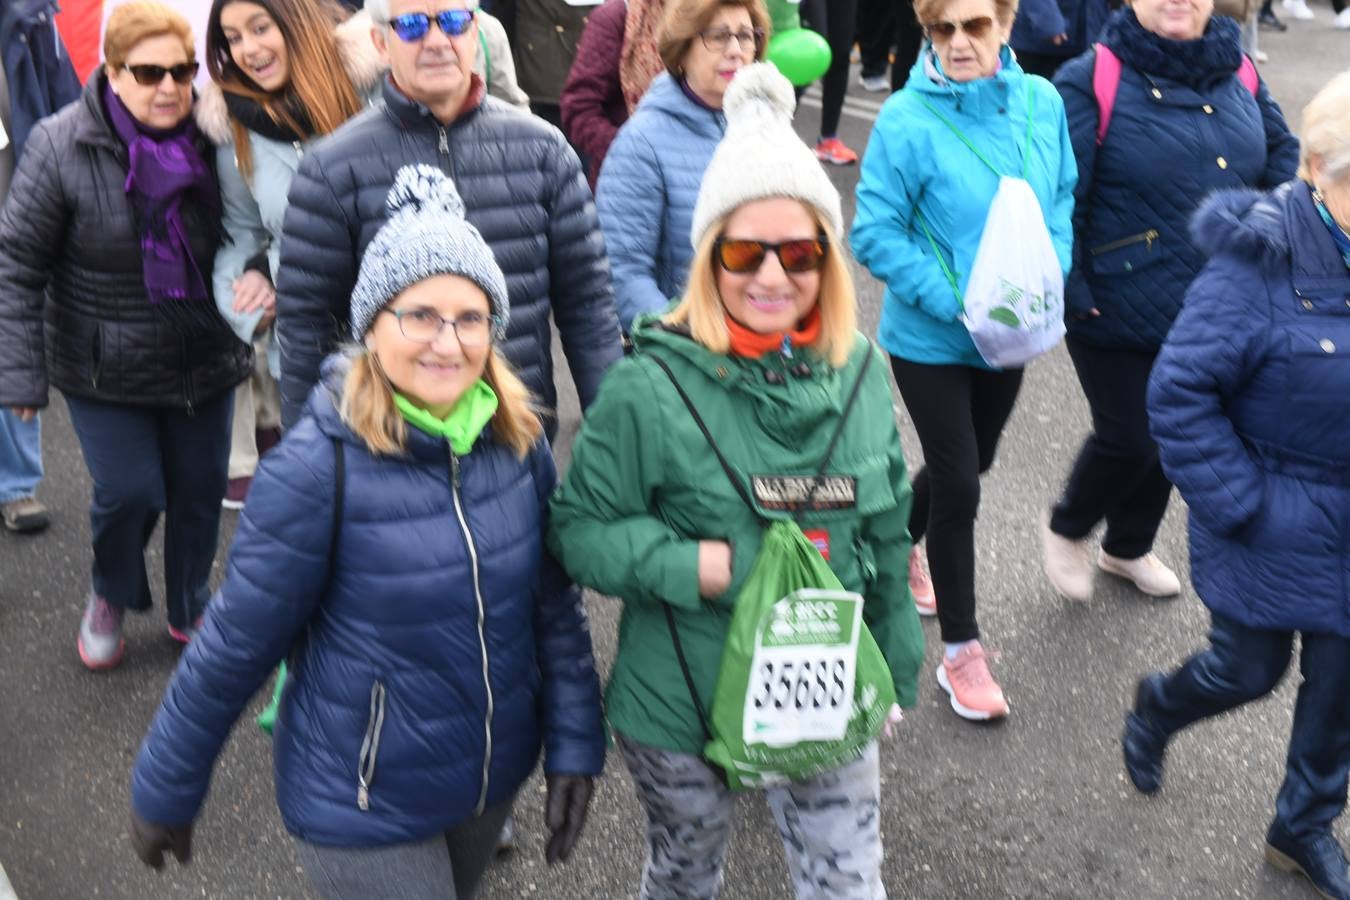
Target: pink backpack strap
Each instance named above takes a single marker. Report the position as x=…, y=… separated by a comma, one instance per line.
x=1246, y=74
x=1105, y=83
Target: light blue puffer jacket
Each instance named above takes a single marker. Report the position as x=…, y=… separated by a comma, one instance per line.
x=915, y=163
x=646, y=193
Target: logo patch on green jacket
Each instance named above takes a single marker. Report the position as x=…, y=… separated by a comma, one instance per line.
x=790, y=492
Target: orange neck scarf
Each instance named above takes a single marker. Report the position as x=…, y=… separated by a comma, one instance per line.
x=754, y=345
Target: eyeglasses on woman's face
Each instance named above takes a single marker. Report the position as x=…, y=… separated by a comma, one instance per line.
x=716, y=39
x=977, y=28
x=151, y=75
x=423, y=325
x=744, y=257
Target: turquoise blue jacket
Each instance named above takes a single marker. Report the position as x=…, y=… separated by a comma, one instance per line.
x=915, y=163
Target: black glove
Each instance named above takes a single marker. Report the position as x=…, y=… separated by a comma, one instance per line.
x=569, y=797
x=150, y=841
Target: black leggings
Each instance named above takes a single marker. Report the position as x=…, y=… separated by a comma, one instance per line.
x=836, y=21
x=883, y=24
x=959, y=413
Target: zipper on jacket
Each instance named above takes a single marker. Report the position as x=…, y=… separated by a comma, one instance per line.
x=98, y=355
x=370, y=747
x=482, y=624
x=1145, y=237
x=443, y=141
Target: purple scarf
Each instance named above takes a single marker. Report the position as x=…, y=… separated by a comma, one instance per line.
x=165, y=167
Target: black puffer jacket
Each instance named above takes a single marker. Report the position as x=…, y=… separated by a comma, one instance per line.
x=523, y=189
x=71, y=277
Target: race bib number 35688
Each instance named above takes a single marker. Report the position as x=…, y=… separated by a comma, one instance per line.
x=803, y=670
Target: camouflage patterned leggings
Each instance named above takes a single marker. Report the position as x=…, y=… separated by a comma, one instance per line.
x=830, y=826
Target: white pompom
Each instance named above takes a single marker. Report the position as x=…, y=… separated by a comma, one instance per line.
x=424, y=188
x=759, y=91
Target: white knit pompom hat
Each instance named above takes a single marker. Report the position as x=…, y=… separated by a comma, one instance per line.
x=760, y=156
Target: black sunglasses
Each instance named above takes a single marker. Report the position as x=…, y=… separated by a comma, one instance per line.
x=941, y=32
x=412, y=27
x=743, y=257
x=149, y=76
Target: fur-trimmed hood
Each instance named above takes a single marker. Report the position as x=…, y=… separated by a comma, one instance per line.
x=1281, y=227
x=359, y=57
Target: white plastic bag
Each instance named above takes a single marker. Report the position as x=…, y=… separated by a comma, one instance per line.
x=1014, y=300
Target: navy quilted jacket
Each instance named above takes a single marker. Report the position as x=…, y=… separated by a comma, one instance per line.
x=1247, y=404
x=454, y=691
x=646, y=194
x=1183, y=126
x=523, y=189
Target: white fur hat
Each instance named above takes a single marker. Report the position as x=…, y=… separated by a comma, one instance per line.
x=760, y=156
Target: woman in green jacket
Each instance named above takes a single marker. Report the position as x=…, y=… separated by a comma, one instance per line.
x=765, y=346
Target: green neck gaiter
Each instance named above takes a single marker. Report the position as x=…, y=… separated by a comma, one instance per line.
x=465, y=422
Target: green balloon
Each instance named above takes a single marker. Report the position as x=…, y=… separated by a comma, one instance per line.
x=800, y=54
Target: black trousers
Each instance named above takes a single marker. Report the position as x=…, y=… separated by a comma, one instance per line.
x=959, y=413
x=1244, y=664
x=1117, y=476
x=883, y=24
x=836, y=21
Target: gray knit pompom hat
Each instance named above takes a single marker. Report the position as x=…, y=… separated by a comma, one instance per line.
x=760, y=156
x=426, y=235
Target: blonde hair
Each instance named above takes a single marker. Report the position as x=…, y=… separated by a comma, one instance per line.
x=1326, y=129
x=702, y=311
x=368, y=408
x=133, y=22
x=684, y=20
x=929, y=11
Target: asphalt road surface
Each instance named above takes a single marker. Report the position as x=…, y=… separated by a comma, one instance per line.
x=1037, y=807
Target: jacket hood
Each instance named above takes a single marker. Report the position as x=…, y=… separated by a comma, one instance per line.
x=1280, y=226
x=1213, y=56
x=359, y=58
x=666, y=97
x=928, y=78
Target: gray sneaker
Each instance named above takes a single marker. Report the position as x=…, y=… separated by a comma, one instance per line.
x=24, y=514
x=101, y=643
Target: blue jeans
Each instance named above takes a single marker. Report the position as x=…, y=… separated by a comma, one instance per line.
x=1244, y=664
x=145, y=461
x=20, y=456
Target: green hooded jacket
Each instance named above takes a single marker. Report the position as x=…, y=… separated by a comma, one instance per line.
x=644, y=488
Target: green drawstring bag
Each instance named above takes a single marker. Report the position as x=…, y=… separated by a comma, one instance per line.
x=267, y=719
x=803, y=687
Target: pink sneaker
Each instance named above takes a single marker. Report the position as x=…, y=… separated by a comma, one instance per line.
x=975, y=695
x=920, y=585
x=185, y=637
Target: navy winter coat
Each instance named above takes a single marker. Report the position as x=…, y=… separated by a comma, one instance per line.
x=1247, y=404
x=1183, y=126
x=523, y=189
x=37, y=68
x=646, y=194
x=454, y=691
x=1038, y=21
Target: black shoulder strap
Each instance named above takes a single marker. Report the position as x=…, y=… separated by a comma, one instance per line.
x=339, y=483
x=732, y=475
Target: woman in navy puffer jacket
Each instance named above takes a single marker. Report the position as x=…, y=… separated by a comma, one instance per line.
x=1247, y=403
x=1182, y=125
x=393, y=544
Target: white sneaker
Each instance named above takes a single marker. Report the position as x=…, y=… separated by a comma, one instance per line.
x=1068, y=564
x=1147, y=572
x=1260, y=56
x=1342, y=20
x=1298, y=9
x=875, y=83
